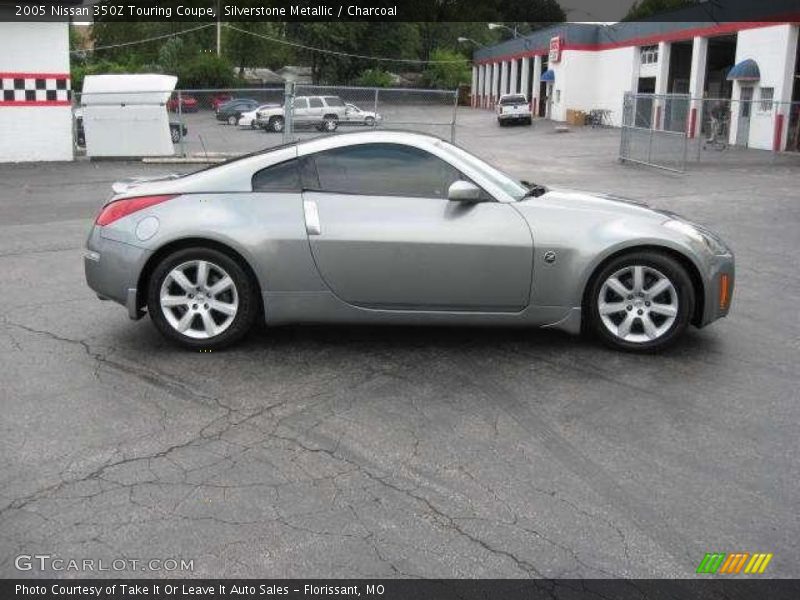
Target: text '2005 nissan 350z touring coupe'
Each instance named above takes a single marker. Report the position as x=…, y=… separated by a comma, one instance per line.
x=395, y=227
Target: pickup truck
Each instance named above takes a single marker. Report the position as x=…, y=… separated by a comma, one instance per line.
x=513, y=108
x=322, y=112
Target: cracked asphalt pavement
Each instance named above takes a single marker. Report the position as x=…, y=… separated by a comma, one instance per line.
x=398, y=451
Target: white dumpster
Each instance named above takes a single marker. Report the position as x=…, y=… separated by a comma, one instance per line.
x=126, y=115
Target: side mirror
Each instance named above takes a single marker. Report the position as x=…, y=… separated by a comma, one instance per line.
x=464, y=191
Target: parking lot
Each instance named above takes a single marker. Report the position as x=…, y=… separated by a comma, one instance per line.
x=399, y=451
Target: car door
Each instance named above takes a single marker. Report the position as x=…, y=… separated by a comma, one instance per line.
x=300, y=110
x=315, y=109
x=384, y=235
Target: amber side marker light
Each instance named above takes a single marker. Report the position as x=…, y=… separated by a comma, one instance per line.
x=724, y=290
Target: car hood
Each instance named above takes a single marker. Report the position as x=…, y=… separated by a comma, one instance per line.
x=601, y=203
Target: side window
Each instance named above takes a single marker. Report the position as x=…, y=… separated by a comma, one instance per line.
x=315, y=102
x=334, y=101
x=300, y=103
x=384, y=170
x=283, y=177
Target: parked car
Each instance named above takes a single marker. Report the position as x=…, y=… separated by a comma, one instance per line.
x=218, y=100
x=188, y=103
x=402, y=228
x=176, y=130
x=353, y=115
x=248, y=119
x=233, y=109
x=513, y=108
x=323, y=112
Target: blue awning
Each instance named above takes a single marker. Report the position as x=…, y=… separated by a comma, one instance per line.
x=747, y=70
x=548, y=75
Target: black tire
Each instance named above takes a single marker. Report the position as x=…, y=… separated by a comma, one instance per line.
x=232, y=120
x=529, y=121
x=330, y=123
x=369, y=121
x=664, y=264
x=276, y=124
x=175, y=134
x=246, y=288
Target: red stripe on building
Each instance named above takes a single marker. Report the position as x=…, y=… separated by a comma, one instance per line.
x=670, y=36
x=777, y=137
x=35, y=103
x=34, y=75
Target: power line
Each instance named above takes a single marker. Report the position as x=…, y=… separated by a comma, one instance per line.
x=144, y=41
x=344, y=54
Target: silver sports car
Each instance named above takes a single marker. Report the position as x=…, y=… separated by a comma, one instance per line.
x=396, y=227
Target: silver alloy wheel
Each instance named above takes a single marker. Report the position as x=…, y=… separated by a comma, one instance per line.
x=232, y=120
x=277, y=124
x=199, y=299
x=638, y=304
x=330, y=125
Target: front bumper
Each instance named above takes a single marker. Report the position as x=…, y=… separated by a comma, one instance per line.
x=112, y=270
x=719, y=284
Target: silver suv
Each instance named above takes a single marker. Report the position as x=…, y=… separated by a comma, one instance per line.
x=322, y=112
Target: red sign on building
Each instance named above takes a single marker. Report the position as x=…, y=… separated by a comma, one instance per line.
x=555, y=50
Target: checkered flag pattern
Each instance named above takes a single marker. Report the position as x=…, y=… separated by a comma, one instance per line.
x=22, y=88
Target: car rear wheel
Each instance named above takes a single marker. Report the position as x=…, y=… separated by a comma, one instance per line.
x=202, y=299
x=232, y=120
x=369, y=121
x=175, y=134
x=641, y=301
x=276, y=124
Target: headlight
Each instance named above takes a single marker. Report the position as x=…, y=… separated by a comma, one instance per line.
x=698, y=234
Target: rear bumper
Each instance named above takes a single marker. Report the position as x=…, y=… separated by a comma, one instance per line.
x=112, y=270
x=515, y=117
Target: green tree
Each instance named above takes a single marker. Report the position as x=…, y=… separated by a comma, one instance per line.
x=206, y=70
x=374, y=78
x=642, y=9
x=448, y=69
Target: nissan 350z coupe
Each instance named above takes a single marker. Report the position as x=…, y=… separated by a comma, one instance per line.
x=395, y=227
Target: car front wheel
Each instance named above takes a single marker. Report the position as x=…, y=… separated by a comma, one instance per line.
x=369, y=121
x=202, y=299
x=276, y=124
x=232, y=120
x=642, y=301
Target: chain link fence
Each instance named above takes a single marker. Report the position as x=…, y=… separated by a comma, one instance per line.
x=653, y=130
x=667, y=131
x=218, y=124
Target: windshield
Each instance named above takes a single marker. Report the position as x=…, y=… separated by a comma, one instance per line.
x=512, y=100
x=508, y=184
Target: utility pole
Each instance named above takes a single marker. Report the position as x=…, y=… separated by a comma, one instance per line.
x=219, y=31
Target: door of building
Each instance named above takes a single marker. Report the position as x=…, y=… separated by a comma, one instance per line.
x=745, y=110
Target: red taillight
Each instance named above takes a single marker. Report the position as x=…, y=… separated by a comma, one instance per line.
x=122, y=208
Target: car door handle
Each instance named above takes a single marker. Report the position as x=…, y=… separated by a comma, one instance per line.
x=312, y=217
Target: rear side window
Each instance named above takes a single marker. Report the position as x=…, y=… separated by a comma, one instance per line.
x=283, y=177
x=384, y=170
x=333, y=101
x=315, y=102
x=300, y=103
x=290, y=176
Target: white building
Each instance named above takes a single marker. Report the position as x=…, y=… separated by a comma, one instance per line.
x=35, y=96
x=585, y=67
